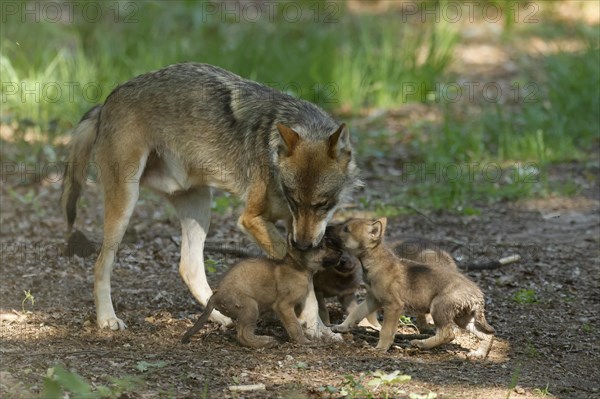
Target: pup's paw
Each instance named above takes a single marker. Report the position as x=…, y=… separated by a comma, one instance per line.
x=326, y=334
x=477, y=355
x=366, y=323
x=221, y=319
x=418, y=343
x=382, y=348
x=340, y=328
x=111, y=323
x=333, y=337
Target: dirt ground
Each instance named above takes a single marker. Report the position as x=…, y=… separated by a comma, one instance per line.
x=549, y=347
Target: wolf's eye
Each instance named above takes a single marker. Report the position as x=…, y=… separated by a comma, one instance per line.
x=346, y=229
x=321, y=205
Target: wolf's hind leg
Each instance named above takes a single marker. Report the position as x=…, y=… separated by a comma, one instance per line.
x=349, y=303
x=246, y=327
x=193, y=210
x=484, y=346
x=286, y=313
x=368, y=306
x=120, y=197
x=442, y=336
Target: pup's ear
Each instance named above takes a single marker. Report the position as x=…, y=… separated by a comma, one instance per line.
x=339, y=141
x=289, y=138
x=377, y=228
x=383, y=222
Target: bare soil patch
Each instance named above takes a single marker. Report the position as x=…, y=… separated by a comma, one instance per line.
x=549, y=343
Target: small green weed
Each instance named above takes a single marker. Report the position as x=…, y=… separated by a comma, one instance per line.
x=376, y=384
x=542, y=392
x=300, y=365
x=531, y=351
x=61, y=383
x=222, y=204
x=407, y=321
x=525, y=296
x=144, y=366
x=354, y=388
x=211, y=265
x=387, y=383
x=28, y=298
x=29, y=199
x=329, y=389
x=514, y=380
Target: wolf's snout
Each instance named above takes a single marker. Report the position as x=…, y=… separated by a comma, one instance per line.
x=302, y=245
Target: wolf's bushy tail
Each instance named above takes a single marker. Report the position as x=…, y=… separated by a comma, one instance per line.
x=80, y=151
x=210, y=306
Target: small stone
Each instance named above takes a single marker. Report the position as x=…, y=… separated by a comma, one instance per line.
x=519, y=389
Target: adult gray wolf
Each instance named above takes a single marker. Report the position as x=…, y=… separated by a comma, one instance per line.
x=189, y=127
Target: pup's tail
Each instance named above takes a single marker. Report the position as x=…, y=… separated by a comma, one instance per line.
x=210, y=306
x=481, y=323
x=80, y=151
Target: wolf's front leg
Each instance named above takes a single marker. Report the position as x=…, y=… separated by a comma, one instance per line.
x=368, y=306
x=314, y=327
x=254, y=222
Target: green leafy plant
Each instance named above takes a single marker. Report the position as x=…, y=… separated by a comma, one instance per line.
x=211, y=265
x=330, y=389
x=542, y=392
x=525, y=296
x=301, y=365
x=388, y=382
x=28, y=298
x=61, y=383
x=407, y=321
x=354, y=388
x=144, y=366
x=222, y=204
x=29, y=199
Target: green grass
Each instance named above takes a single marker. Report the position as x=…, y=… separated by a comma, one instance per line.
x=332, y=58
x=51, y=73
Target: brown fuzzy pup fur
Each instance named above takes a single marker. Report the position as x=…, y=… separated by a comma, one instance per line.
x=396, y=285
x=254, y=286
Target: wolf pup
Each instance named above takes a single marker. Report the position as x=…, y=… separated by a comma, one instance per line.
x=254, y=286
x=397, y=285
x=340, y=280
x=421, y=250
x=189, y=127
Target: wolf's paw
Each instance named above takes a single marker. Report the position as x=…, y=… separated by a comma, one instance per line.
x=111, y=323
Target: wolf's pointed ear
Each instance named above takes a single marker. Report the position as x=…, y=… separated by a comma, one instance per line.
x=377, y=229
x=289, y=137
x=339, y=140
